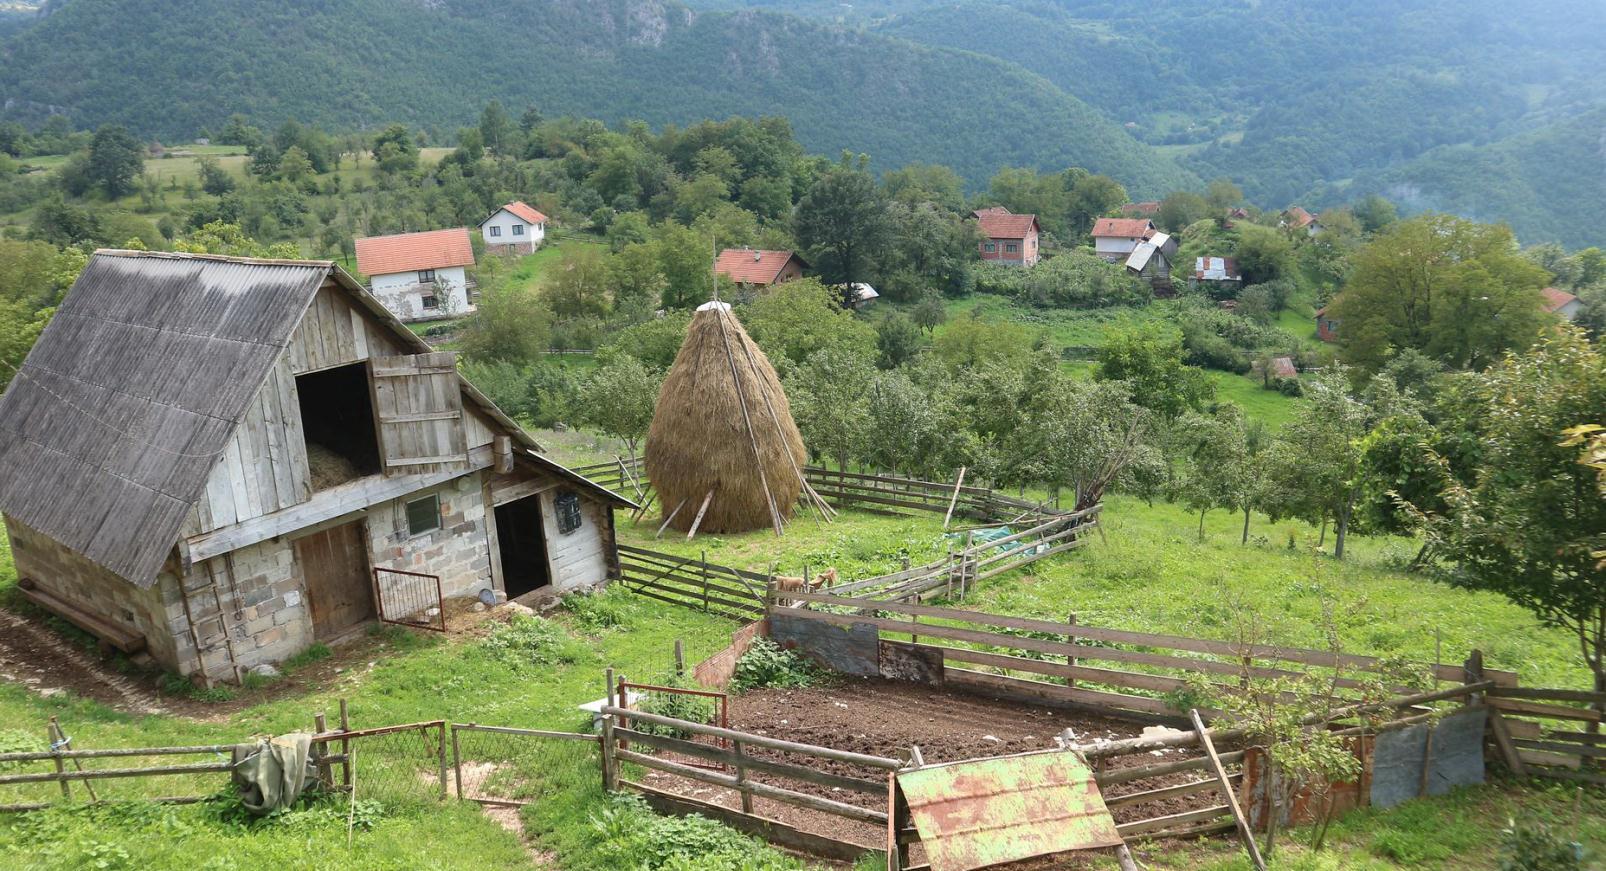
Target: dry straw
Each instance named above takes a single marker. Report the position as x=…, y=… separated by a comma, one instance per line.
x=723, y=451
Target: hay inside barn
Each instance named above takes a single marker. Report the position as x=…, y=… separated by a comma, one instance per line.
x=722, y=426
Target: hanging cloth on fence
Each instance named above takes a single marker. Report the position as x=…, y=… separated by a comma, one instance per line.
x=272, y=773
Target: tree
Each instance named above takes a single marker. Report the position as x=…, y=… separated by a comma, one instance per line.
x=395, y=151
x=470, y=146
x=829, y=395
x=1090, y=197
x=617, y=400
x=930, y=313
x=1082, y=435
x=1222, y=195
x=294, y=165
x=1220, y=471
x=686, y=261
x=496, y=128
x=1528, y=523
x=510, y=322
x=842, y=224
x=578, y=285
x=637, y=282
x=798, y=318
x=1453, y=289
x=116, y=158
x=902, y=422
x=214, y=179
x=972, y=342
x=1315, y=462
x=1151, y=363
x=1180, y=209
x=897, y=338
x=1374, y=213
x=218, y=237
x=1263, y=254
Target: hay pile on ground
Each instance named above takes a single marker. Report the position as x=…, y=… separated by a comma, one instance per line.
x=723, y=426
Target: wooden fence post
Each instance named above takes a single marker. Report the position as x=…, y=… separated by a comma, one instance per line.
x=610, y=771
x=319, y=751
x=741, y=778
x=1070, y=658
x=440, y=751
x=704, y=567
x=680, y=658
x=345, y=746
x=61, y=770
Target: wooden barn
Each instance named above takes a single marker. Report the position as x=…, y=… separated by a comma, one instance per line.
x=223, y=460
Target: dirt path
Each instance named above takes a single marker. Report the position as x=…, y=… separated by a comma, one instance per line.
x=41, y=659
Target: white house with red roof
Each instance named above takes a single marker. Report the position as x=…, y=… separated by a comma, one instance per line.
x=1008, y=237
x=419, y=276
x=1115, y=239
x=1561, y=303
x=516, y=228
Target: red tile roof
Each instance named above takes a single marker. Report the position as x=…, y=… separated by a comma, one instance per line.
x=1123, y=228
x=753, y=265
x=1146, y=209
x=1000, y=223
x=519, y=208
x=410, y=252
x=1298, y=217
x=1555, y=298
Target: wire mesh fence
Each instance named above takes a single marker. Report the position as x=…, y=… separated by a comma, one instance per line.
x=407, y=763
x=410, y=599
x=499, y=765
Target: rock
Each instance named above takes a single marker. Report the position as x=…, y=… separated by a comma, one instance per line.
x=477, y=607
x=992, y=738
x=265, y=670
x=516, y=608
x=51, y=692
x=432, y=613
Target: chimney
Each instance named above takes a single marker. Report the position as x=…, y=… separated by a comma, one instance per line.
x=757, y=256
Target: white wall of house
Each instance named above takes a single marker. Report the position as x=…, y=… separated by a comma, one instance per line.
x=404, y=293
x=1114, y=247
x=506, y=228
x=1570, y=310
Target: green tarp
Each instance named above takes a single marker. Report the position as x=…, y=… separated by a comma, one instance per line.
x=272, y=773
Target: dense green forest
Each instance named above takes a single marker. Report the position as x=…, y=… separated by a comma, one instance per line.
x=163, y=69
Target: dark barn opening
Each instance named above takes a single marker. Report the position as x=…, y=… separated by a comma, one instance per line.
x=337, y=420
x=521, y=539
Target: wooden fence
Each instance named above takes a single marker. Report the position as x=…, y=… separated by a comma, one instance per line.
x=1048, y=661
x=785, y=764
x=694, y=583
x=1550, y=733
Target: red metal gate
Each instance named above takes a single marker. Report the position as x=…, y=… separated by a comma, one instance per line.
x=410, y=599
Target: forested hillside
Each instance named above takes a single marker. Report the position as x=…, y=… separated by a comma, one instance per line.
x=169, y=68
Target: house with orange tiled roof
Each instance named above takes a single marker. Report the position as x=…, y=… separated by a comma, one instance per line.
x=1008, y=237
x=419, y=276
x=1115, y=239
x=1297, y=218
x=1561, y=303
x=516, y=228
x=754, y=268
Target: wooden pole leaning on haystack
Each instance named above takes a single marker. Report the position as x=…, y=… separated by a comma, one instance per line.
x=747, y=422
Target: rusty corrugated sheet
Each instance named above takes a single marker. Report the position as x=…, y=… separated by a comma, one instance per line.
x=988, y=811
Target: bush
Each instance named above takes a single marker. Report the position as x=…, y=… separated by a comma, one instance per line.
x=1534, y=848
x=526, y=640
x=767, y=665
x=627, y=834
x=1072, y=280
x=1290, y=387
x=602, y=610
x=681, y=706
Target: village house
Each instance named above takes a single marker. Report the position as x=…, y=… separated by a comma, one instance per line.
x=219, y=461
x=1221, y=271
x=1326, y=326
x=1115, y=239
x=1297, y=218
x=1560, y=302
x=1151, y=261
x=1008, y=237
x=752, y=269
x=419, y=276
x=513, y=229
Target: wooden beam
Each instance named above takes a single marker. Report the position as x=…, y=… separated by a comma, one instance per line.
x=954, y=500
x=1244, y=834
x=326, y=505
x=698, y=520
x=1502, y=740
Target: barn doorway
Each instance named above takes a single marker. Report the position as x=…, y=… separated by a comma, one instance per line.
x=334, y=570
x=337, y=419
x=521, y=538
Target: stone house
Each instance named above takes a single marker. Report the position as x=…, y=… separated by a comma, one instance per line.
x=420, y=276
x=220, y=461
x=1008, y=237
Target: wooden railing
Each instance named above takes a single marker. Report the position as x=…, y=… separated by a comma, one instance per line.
x=1550, y=733
x=693, y=583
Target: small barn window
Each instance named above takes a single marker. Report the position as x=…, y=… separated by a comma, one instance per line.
x=423, y=515
x=496, y=231
x=567, y=505
x=518, y=229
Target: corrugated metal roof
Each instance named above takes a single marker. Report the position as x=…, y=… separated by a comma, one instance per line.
x=121, y=409
x=1215, y=269
x=989, y=811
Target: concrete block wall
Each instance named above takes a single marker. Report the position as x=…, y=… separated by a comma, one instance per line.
x=92, y=589
x=458, y=551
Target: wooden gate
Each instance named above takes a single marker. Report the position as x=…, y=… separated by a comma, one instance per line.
x=418, y=406
x=334, y=569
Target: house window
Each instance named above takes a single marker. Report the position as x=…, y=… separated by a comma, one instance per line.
x=426, y=276
x=429, y=302
x=518, y=229
x=496, y=231
x=567, y=505
x=991, y=247
x=423, y=515
x=1011, y=247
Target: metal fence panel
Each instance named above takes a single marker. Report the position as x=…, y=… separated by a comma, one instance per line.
x=497, y=765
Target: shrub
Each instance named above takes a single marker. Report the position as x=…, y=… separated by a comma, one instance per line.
x=602, y=610
x=1534, y=848
x=527, y=640
x=681, y=706
x=766, y=664
x=629, y=835
x=1071, y=280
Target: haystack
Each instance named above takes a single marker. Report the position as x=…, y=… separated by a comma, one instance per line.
x=723, y=452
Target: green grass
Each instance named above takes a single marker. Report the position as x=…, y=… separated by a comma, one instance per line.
x=1258, y=403
x=1063, y=327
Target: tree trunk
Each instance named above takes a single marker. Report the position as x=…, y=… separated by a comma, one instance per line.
x=1201, y=522
x=1322, y=541
x=1245, y=539
x=1341, y=528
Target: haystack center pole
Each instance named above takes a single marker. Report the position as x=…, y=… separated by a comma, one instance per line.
x=747, y=420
